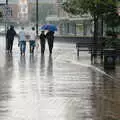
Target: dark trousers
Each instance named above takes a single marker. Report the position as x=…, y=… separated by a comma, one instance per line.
x=50, y=44
x=10, y=44
x=32, y=46
x=42, y=43
x=7, y=44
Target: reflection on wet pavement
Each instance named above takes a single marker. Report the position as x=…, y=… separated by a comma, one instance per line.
x=35, y=87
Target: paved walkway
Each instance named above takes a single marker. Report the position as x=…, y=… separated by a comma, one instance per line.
x=57, y=87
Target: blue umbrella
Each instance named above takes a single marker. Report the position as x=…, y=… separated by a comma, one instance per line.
x=49, y=27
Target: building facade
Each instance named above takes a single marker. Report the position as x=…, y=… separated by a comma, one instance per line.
x=69, y=24
x=23, y=11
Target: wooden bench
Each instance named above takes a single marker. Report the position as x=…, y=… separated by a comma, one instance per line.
x=84, y=47
x=90, y=47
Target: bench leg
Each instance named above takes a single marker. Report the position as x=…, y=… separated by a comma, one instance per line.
x=93, y=58
x=101, y=56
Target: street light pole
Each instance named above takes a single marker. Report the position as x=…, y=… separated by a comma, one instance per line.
x=6, y=28
x=37, y=17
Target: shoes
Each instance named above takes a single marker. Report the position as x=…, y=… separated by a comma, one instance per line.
x=42, y=52
x=50, y=53
x=10, y=52
x=23, y=54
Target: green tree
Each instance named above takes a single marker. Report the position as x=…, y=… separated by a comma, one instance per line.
x=98, y=9
x=112, y=21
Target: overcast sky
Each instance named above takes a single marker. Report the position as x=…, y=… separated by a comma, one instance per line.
x=46, y=1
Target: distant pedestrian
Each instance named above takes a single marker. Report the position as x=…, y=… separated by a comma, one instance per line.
x=10, y=37
x=42, y=41
x=7, y=39
x=22, y=41
x=50, y=39
x=32, y=40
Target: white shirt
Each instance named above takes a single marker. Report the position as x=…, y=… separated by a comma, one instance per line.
x=32, y=35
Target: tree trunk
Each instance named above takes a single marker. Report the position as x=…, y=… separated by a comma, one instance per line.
x=95, y=37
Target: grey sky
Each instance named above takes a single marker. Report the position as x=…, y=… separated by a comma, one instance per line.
x=44, y=1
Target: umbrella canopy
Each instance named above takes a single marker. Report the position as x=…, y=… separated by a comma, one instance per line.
x=50, y=27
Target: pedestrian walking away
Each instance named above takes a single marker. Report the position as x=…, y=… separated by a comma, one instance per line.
x=7, y=39
x=22, y=41
x=32, y=40
x=42, y=41
x=50, y=39
x=10, y=37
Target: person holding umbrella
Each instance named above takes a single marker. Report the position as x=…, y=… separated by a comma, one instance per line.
x=50, y=39
x=50, y=35
x=42, y=42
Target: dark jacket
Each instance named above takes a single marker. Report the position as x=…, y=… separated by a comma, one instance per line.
x=50, y=35
x=11, y=34
x=42, y=36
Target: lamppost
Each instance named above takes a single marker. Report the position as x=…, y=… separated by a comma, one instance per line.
x=6, y=28
x=37, y=17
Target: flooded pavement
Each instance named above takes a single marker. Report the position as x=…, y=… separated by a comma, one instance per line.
x=57, y=87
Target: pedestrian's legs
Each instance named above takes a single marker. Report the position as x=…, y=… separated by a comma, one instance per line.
x=21, y=44
x=42, y=47
x=24, y=47
x=32, y=46
x=50, y=43
x=11, y=45
x=8, y=46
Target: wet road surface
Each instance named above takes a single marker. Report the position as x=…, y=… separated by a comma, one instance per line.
x=57, y=87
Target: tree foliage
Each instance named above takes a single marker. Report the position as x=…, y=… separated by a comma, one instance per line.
x=94, y=7
x=98, y=9
x=112, y=19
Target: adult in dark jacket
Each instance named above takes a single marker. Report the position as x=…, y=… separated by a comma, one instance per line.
x=7, y=39
x=10, y=37
x=42, y=41
x=50, y=38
